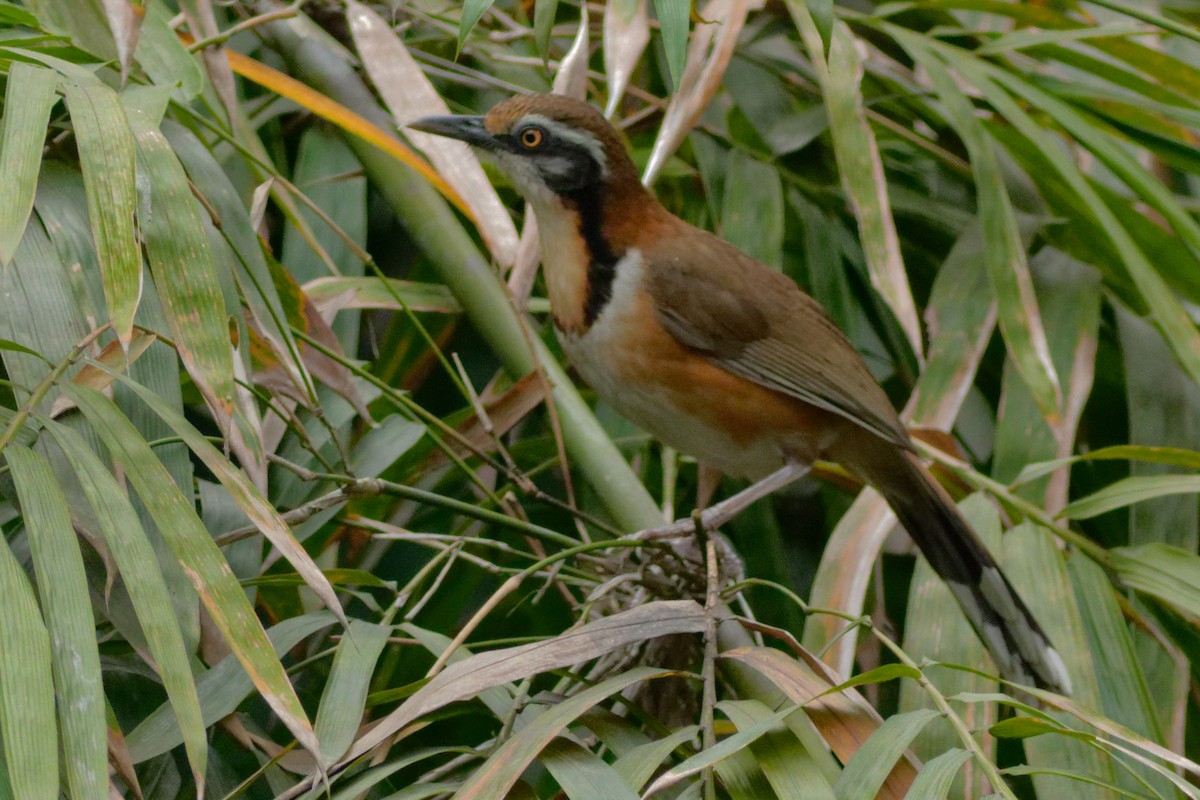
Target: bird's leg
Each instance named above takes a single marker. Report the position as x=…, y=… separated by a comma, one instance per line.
x=717, y=515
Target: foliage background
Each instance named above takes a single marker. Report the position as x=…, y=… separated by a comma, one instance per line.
x=286, y=441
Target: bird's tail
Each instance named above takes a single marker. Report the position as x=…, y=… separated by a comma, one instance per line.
x=1010, y=632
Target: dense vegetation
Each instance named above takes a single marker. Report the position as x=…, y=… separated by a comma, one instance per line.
x=297, y=495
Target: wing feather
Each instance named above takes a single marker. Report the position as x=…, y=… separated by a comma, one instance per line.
x=789, y=344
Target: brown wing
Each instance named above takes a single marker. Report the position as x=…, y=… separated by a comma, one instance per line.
x=785, y=340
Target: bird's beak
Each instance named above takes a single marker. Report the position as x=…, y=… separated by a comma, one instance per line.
x=465, y=129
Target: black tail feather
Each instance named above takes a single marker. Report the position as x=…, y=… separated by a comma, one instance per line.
x=1009, y=630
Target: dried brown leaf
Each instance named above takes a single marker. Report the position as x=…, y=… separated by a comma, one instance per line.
x=472, y=675
x=626, y=34
x=408, y=94
x=701, y=78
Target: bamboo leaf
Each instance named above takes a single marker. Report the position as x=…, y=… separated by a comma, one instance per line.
x=498, y=774
x=845, y=720
x=1164, y=571
x=626, y=34
x=221, y=690
x=1035, y=566
x=937, y=777
x=1124, y=693
x=164, y=57
x=185, y=272
x=472, y=12
x=861, y=167
x=62, y=588
x=752, y=209
x=360, y=293
x=869, y=768
x=793, y=771
x=726, y=748
x=246, y=495
x=107, y=157
x=27, y=725
x=544, y=12
x=673, y=17
x=581, y=773
x=1025, y=39
x=1173, y=456
x=345, y=694
x=125, y=22
x=1177, y=327
x=206, y=567
x=138, y=565
x=639, y=763
x=28, y=99
x=1011, y=281
x=409, y=94
x=1128, y=491
x=472, y=675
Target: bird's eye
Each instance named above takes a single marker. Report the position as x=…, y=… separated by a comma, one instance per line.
x=532, y=138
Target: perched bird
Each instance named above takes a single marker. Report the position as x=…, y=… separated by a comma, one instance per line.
x=720, y=356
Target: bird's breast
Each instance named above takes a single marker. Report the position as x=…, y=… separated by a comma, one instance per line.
x=681, y=398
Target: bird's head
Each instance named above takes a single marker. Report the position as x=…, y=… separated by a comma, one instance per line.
x=547, y=144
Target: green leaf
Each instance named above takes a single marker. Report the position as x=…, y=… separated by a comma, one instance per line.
x=582, y=774
x=792, y=769
x=752, y=208
x=221, y=690
x=62, y=588
x=1012, y=284
x=861, y=167
x=870, y=765
x=17, y=347
x=1124, y=693
x=937, y=776
x=472, y=11
x=882, y=674
x=185, y=274
x=37, y=309
x=30, y=735
x=726, y=748
x=28, y=99
x=823, y=18
x=544, y=12
x=502, y=770
x=1035, y=566
x=1174, y=456
x=673, y=18
x=138, y=565
x=164, y=57
x=345, y=695
x=375, y=293
x=1128, y=491
x=1164, y=571
x=1169, y=314
x=1023, y=728
x=1024, y=39
x=107, y=158
x=638, y=764
x=203, y=561
x=245, y=494
x=365, y=780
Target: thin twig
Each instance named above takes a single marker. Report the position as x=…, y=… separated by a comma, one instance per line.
x=222, y=37
x=709, y=670
x=39, y=392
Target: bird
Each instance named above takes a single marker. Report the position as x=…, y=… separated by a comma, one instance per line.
x=722, y=357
